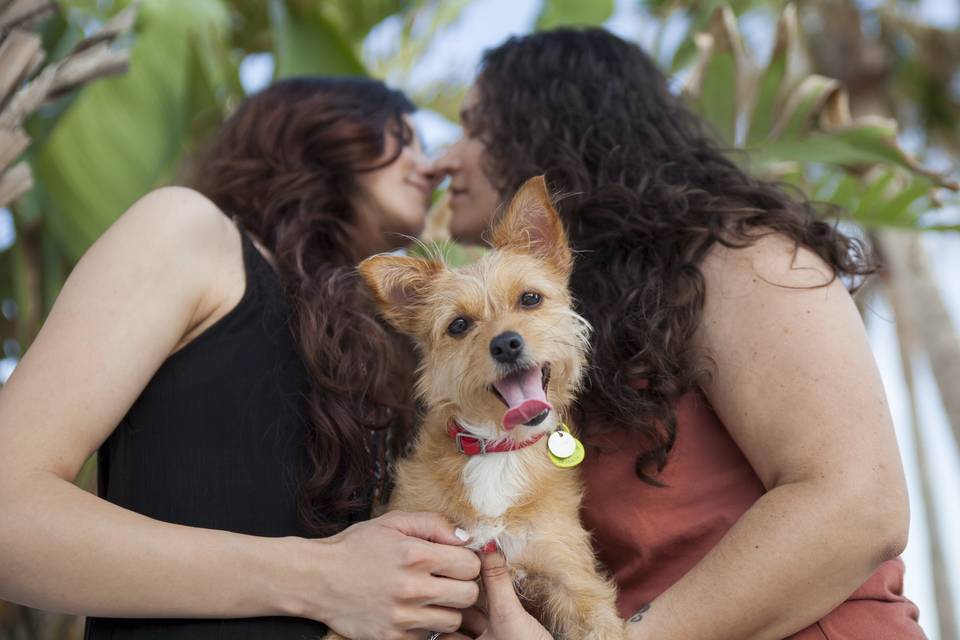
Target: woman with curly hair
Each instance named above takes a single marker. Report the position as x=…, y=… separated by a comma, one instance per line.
x=217, y=348
x=742, y=475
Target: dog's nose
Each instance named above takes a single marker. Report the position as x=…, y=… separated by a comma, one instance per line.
x=506, y=347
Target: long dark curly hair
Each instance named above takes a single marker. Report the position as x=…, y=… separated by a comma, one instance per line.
x=645, y=192
x=284, y=166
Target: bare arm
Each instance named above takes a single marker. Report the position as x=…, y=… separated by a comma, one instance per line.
x=799, y=391
x=156, y=276
x=132, y=298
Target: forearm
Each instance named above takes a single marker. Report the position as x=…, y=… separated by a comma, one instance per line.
x=64, y=549
x=790, y=559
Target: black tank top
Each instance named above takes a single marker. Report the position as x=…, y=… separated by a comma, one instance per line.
x=216, y=440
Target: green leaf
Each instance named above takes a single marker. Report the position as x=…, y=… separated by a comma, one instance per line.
x=803, y=105
x=557, y=13
x=306, y=43
x=54, y=271
x=122, y=136
x=875, y=191
x=847, y=191
x=444, y=99
x=770, y=85
x=905, y=204
x=24, y=292
x=815, y=147
x=718, y=98
x=355, y=18
x=714, y=88
x=877, y=138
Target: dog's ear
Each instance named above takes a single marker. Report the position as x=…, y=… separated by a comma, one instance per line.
x=399, y=284
x=532, y=224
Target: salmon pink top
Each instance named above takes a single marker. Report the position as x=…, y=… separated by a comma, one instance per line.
x=649, y=537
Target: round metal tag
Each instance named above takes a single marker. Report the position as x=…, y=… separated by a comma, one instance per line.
x=561, y=444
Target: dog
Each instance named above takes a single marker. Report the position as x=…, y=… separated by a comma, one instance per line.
x=502, y=357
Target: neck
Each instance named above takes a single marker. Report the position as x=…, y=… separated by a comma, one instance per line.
x=467, y=443
x=490, y=484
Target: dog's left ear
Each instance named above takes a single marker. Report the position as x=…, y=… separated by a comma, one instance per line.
x=532, y=224
x=400, y=285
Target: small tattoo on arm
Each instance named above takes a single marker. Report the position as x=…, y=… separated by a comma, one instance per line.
x=638, y=616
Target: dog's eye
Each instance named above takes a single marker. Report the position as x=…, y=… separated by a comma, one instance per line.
x=530, y=299
x=458, y=326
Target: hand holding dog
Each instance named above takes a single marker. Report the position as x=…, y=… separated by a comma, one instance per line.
x=506, y=619
x=395, y=573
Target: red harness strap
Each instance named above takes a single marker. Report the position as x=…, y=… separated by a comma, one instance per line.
x=472, y=445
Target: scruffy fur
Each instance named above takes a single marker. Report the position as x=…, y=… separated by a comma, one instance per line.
x=518, y=498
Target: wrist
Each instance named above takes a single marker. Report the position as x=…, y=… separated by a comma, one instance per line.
x=281, y=566
x=300, y=573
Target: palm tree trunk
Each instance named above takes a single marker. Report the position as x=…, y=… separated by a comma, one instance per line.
x=905, y=311
x=842, y=50
x=909, y=271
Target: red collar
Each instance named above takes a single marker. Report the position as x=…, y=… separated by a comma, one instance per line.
x=472, y=445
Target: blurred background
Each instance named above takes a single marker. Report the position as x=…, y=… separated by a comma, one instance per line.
x=855, y=101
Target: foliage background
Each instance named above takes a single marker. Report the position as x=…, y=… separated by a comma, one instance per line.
x=855, y=101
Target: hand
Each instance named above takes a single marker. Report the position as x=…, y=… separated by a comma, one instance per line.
x=506, y=618
x=396, y=573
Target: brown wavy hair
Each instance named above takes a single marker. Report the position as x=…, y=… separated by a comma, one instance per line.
x=284, y=166
x=645, y=193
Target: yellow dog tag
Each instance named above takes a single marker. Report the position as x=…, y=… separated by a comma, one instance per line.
x=564, y=449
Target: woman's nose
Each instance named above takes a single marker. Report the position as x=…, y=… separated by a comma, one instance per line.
x=449, y=161
x=426, y=168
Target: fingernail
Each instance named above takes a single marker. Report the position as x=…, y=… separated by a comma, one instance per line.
x=490, y=547
x=462, y=535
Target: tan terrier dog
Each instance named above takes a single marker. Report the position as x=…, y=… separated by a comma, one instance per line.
x=502, y=355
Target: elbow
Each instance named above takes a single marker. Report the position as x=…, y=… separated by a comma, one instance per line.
x=880, y=532
x=894, y=536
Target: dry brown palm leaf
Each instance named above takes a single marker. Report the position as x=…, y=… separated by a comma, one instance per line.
x=24, y=14
x=22, y=92
x=788, y=119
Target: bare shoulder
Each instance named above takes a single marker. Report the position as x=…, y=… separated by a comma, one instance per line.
x=773, y=259
x=772, y=288
x=790, y=356
x=176, y=219
x=183, y=232
x=175, y=239
x=163, y=269
x=772, y=285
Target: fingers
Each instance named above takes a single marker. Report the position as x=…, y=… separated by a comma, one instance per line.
x=458, y=594
x=474, y=621
x=427, y=526
x=439, y=619
x=502, y=600
x=452, y=562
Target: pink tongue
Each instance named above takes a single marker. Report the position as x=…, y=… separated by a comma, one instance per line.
x=524, y=394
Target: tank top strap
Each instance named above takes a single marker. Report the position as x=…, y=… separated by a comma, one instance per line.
x=252, y=264
x=263, y=281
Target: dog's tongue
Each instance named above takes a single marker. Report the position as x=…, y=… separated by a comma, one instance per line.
x=523, y=392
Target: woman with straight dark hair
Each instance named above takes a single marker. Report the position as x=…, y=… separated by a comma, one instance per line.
x=742, y=475
x=217, y=348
